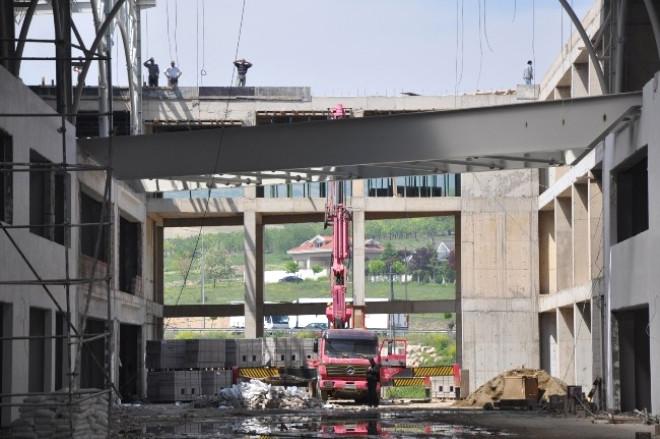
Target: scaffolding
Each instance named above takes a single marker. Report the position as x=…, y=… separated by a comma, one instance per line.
x=70, y=399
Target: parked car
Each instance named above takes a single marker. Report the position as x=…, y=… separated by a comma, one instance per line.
x=293, y=279
x=317, y=325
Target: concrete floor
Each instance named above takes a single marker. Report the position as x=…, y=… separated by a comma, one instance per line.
x=389, y=421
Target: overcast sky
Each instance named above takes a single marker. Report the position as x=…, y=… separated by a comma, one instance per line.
x=342, y=47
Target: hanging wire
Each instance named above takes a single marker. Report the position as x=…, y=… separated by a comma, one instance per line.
x=211, y=182
x=176, y=26
x=169, y=41
x=534, y=39
x=481, y=48
x=202, y=72
x=515, y=7
x=146, y=22
x=486, y=29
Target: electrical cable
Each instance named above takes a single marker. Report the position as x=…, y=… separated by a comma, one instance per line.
x=202, y=72
x=534, y=40
x=167, y=16
x=486, y=28
x=481, y=48
x=176, y=27
x=515, y=7
x=211, y=182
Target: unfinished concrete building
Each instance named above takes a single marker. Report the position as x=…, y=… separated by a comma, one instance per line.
x=556, y=264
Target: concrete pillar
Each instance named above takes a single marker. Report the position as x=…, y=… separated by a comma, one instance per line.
x=547, y=252
x=566, y=345
x=594, y=85
x=548, y=339
x=253, y=231
x=459, y=310
x=359, y=281
x=564, y=242
x=596, y=222
x=580, y=229
x=580, y=80
x=583, y=355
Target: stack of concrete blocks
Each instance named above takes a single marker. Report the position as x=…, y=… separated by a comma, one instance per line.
x=54, y=417
x=249, y=352
x=206, y=354
x=443, y=387
x=288, y=352
x=214, y=380
x=166, y=354
x=174, y=385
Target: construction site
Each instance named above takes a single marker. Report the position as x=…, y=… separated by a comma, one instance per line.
x=243, y=256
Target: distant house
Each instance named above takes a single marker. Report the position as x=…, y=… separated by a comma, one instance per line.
x=318, y=250
x=444, y=249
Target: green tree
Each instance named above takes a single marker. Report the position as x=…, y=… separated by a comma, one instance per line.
x=398, y=267
x=217, y=265
x=317, y=268
x=375, y=266
x=291, y=266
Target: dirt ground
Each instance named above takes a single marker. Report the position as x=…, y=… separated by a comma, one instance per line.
x=437, y=420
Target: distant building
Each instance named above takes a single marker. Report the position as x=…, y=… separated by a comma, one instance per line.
x=318, y=251
x=444, y=249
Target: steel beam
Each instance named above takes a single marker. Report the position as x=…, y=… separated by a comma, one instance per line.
x=391, y=307
x=359, y=147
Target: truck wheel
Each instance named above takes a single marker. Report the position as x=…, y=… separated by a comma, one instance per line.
x=324, y=396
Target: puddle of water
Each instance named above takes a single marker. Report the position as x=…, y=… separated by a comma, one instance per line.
x=384, y=425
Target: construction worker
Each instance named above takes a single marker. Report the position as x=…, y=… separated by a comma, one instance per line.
x=373, y=377
x=154, y=71
x=242, y=67
x=173, y=73
x=528, y=73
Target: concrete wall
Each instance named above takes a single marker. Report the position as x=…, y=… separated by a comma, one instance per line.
x=632, y=264
x=47, y=257
x=499, y=280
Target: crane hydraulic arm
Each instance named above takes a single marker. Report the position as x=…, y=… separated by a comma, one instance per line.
x=338, y=217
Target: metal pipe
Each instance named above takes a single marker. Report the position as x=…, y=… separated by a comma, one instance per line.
x=22, y=38
x=587, y=42
x=620, y=44
x=655, y=24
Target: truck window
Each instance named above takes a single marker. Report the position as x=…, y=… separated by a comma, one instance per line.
x=338, y=348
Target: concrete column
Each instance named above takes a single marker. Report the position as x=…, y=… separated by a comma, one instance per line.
x=459, y=310
x=359, y=282
x=566, y=345
x=594, y=85
x=253, y=231
x=583, y=355
x=580, y=226
x=580, y=80
x=548, y=338
x=547, y=252
x=596, y=222
x=564, y=242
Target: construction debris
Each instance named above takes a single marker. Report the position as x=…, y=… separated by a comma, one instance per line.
x=255, y=395
x=49, y=416
x=491, y=392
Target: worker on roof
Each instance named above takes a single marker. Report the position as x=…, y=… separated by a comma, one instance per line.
x=242, y=67
x=528, y=73
x=173, y=73
x=154, y=71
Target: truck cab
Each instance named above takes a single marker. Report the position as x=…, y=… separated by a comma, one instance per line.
x=343, y=360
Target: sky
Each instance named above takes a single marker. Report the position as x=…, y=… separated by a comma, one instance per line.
x=341, y=47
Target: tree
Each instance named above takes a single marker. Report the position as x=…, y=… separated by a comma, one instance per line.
x=316, y=269
x=291, y=266
x=217, y=265
x=376, y=266
x=398, y=267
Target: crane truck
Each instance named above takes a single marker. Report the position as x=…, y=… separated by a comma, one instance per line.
x=343, y=351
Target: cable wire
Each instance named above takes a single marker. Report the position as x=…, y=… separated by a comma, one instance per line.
x=211, y=182
x=486, y=29
x=481, y=48
x=167, y=16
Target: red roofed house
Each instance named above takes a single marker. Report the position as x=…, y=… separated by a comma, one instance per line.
x=317, y=251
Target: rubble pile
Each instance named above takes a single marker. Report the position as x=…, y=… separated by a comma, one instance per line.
x=491, y=392
x=258, y=395
x=48, y=416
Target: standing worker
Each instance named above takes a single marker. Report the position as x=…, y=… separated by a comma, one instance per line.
x=373, y=377
x=242, y=67
x=154, y=71
x=528, y=73
x=173, y=73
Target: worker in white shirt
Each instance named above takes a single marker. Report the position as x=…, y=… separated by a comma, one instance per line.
x=173, y=73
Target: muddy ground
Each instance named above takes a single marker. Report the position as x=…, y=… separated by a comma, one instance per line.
x=347, y=420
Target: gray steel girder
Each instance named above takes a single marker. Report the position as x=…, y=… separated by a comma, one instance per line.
x=450, y=141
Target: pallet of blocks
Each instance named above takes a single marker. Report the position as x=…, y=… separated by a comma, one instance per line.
x=249, y=352
x=288, y=351
x=443, y=387
x=166, y=354
x=206, y=354
x=176, y=385
x=215, y=380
